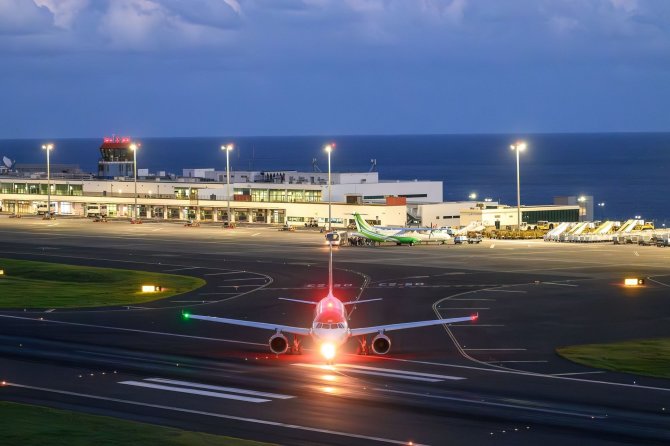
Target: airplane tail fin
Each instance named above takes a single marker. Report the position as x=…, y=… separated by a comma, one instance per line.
x=361, y=224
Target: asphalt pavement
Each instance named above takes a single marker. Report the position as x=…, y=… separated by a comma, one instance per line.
x=494, y=381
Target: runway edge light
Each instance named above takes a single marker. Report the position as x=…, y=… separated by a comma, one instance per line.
x=2, y=272
x=151, y=289
x=633, y=281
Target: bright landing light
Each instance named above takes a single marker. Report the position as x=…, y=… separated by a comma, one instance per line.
x=633, y=282
x=328, y=350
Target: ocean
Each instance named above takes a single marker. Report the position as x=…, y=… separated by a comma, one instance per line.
x=629, y=172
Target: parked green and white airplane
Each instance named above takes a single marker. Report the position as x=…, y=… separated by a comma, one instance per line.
x=400, y=236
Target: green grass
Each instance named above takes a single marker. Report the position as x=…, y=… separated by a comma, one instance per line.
x=28, y=284
x=650, y=357
x=27, y=425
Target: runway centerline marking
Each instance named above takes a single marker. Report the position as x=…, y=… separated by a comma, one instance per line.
x=228, y=396
x=214, y=415
x=220, y=388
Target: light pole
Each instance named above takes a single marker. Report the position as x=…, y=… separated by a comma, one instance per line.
x=472, y=196
x=48, y=148
x=582, y=207
x=329, y=148
x=601, y=205
x=134, y=147
x=227, y=149
x=518, y=147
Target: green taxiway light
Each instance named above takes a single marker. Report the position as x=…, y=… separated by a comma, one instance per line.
x=186, y=315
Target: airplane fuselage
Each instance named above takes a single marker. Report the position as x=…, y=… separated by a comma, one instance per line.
x=330, y=322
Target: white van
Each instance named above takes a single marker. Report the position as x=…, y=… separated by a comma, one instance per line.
x=96, y=210
x=42, y=208
x=334, y=238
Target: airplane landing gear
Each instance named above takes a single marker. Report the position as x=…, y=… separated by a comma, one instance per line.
x=296, y=347
x=363, y=348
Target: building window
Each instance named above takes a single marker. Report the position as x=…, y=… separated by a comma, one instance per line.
x=414, y=195
x=278, y=195
x=259, y=195
x=552, y=215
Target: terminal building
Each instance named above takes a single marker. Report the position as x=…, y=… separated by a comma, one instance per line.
x=272, y=197
x=507, y=217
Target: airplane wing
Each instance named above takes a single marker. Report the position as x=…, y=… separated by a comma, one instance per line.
x=298, y=300
x=262, y=325
x=354, y=302
x=405, y=325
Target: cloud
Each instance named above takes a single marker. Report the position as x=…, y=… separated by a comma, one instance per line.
x=64, y=11
x=153, y=25
x=346, y=30
x=625, y=5
x=21, y=17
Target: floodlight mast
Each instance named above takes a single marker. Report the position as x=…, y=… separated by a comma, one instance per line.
x=48, y=148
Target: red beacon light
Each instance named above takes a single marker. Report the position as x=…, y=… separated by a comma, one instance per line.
x=474, y=317
x=116, y=139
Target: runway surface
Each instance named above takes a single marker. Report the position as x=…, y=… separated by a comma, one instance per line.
x=495, y=381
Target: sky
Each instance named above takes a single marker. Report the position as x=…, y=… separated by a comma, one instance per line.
x=87, y=68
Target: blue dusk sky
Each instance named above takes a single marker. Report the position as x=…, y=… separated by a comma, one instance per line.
x=86, y=68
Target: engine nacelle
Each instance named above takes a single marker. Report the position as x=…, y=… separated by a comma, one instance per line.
x=381, y=344
x=278, y=344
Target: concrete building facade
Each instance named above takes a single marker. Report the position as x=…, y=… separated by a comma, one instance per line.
x=178, y=200
x=506, y=217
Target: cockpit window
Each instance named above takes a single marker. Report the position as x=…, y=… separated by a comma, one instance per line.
x=318, y=325
x=340, y=325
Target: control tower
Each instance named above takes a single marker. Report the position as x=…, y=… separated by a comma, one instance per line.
x=116, y=157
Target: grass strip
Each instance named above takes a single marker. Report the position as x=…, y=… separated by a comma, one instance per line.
x=649, y=357
x=28, y=425
x=30, y=284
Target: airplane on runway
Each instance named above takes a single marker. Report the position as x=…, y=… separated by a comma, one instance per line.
x=330, y=328
x=400, y=236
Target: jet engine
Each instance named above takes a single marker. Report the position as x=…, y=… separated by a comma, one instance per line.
x=381, y=344
x=278, y=344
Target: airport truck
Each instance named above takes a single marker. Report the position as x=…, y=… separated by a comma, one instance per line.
x=42, y=208
x=96, y=210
